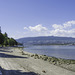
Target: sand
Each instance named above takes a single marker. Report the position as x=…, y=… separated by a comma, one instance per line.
x=12, y=62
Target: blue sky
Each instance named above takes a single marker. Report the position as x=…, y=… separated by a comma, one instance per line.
x=30, y=18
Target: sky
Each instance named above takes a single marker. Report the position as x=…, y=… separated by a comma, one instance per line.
x=32, y=18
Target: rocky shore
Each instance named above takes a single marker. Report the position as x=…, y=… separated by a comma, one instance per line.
x=15, y=61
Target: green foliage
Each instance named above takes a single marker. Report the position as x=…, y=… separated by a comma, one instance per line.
x=5, y=34
x=5, y=40
x=1, y=39
x=12, y=42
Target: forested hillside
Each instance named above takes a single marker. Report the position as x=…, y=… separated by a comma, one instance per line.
x=47, y=40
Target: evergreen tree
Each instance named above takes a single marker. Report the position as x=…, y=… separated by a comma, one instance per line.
x=12, y=42
x=5, y=34
x=1, y=39
x=5, y=40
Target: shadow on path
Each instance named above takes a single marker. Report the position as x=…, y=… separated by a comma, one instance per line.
x=16, y=72
x=4, y=51
x=3, y=55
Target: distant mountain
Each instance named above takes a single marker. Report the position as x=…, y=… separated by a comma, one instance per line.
x=46, y=40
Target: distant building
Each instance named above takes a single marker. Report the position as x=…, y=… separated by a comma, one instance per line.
x=0, y=29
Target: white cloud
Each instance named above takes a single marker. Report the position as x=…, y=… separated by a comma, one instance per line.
x=55, y=26
x=65, y=25
x=66, y=30
x=69, y=24
x=38, y=28
x=58, y=32
x=25, y=28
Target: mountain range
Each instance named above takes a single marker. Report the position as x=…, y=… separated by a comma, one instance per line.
x=46, y=40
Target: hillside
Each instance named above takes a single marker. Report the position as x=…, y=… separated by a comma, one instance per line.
x=47, y=40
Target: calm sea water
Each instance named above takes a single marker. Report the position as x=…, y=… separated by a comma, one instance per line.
x=67, y=52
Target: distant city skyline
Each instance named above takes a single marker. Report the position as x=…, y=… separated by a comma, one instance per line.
x=31, y=18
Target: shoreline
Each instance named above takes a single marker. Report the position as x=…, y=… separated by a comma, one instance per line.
x=15, y=61
x=63, y=52
x=52, y=60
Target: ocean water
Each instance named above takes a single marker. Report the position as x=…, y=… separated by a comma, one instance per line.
x=59, y=51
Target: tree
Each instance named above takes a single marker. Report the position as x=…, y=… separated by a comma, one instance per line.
x=5, y=41
x=12, y=42
x=5, y=34
x=1, y=39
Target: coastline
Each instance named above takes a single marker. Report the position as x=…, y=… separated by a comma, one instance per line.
x=15, y=61
x=64, y=63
